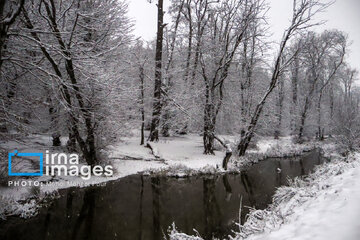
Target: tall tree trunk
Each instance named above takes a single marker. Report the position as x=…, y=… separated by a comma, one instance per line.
x=307, y=106
x=54, y=117
x=303, y=118
x=244, y=90
x=199, y=34
x=242, y=110
x=320, y=133
x=331, y=101
x=294, y=88
x=71, y=143
x=168, y=75
x=157, y=102
x=280, y=104
x=190, y=37
x=142, y=107
x=209, y=125
x=196, y=61
x=188, y=59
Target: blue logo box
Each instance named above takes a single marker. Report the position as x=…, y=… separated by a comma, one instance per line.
x=15, y=153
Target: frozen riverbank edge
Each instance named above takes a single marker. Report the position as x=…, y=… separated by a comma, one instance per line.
x=322, y=205
x=175, y=157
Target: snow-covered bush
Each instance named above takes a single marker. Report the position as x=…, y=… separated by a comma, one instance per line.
x=174, y=234
x=181, y=171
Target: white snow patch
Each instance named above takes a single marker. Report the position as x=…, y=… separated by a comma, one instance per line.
x=333, y=212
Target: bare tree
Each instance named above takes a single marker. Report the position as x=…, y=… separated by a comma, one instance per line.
x=76, y=58
x=348, y=117
x=189, y=20
x=227, y=25
x=334, y=62
x=157, y=102
x=280, y=107
x=322, y=52
x=140, y=61
x=303, y=12
x=253, y=48
x=171, y=41
x=294, y=71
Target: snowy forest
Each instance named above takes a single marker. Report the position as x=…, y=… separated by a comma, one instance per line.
x=211, y=98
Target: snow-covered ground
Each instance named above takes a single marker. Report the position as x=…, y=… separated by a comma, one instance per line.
x=185, y=150
x=324, y=205
x=326, y=208
x=174, y=156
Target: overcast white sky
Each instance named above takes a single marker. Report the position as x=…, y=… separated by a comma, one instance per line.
x=343, y=15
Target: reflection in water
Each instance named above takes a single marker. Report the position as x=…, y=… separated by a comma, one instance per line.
x=141, y=207
x=138, y=207
x=248, y=188
x=69, y=212
x=46, y=223
x=211, y=208
x=227, y=187
x=302, y=167
x=155, y=187
x=86, y=215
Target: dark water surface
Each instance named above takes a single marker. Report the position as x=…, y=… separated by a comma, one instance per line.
x=139, y=207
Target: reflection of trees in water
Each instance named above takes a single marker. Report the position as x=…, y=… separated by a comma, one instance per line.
x=155, y=188
x=320, y=158
x=53, y=208
x=69, y=201
x=248, y=188
x=302, y=169
x=227, y=187
x=308, y=162
x=211, y=208
x=47, y=222
x=69, y=215
x=141, y=206
x=86, y=215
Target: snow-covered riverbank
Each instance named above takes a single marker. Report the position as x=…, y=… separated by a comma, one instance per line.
x=324, y=205
x=173, y=156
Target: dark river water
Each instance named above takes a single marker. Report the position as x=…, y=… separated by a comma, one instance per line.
x=139, y=207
